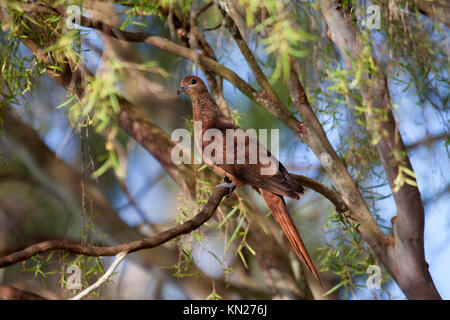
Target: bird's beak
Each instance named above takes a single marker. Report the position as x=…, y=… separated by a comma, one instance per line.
x=181, y=89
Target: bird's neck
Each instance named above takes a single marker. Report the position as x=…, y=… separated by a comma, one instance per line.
x=204, y=107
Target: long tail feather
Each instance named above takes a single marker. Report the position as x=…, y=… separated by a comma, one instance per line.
x=278, y=208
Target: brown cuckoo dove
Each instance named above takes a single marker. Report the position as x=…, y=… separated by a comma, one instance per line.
x=272, y=182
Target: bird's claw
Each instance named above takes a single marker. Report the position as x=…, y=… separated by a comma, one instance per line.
x=230, y=185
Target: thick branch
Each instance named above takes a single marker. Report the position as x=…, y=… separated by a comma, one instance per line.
x=438, y=10
x=11, y=293
x=406, y=260
x=315, y=137
x=311, y=132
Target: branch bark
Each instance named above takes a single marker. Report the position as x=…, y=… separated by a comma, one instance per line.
x=312, y=133
x=11, y=293
x=438, y=10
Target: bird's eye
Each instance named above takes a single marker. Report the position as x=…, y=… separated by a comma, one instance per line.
x=193, y=81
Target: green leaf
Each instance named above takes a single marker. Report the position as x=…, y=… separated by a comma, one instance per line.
x=235, y=233
x=204, y=182
x=250, y=249
x=232, y=211
x=334, y=288
x=104, y=167
x=409, y=172
x=65, y=103
x=125, y=24
x=114, y=102
x=243, y=259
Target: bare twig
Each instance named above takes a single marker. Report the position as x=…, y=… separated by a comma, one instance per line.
x=428, y=140
x=119, y=257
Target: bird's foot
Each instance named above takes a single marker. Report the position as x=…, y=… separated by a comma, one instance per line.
x=230, y=185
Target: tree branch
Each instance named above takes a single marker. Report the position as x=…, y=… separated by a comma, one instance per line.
x=119, y=257
x=322, y=189
x=315, y=137
x=11, y=293
x=51, y=171
x=438, y=10
x=406, y=257
x=428, y=140
x=311, y=132
x=192, y=224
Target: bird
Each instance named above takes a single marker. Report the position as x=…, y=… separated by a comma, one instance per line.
x=273, y=185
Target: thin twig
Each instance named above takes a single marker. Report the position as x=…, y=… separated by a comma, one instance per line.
x=99, y=282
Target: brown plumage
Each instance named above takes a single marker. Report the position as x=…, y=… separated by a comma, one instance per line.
x=271, y=187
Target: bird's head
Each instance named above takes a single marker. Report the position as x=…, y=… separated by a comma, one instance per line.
x=192, y=85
